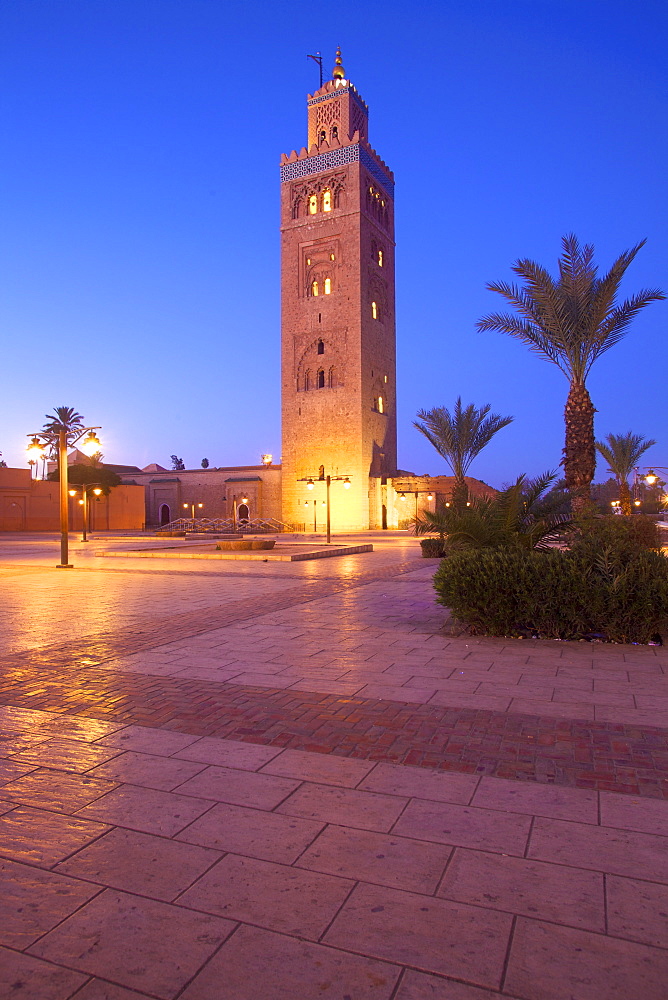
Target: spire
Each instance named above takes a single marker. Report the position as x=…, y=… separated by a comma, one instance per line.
x=338, y=73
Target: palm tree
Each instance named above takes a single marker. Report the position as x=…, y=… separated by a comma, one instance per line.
x=570, y=321
x=64, y=418
x=460, y=436
x=520, y=515
x=622, y=453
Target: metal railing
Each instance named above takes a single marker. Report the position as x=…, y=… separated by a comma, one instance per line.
x=223, y=526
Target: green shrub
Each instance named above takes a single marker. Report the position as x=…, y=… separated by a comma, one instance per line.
x=628, y=533
x=595, y=589
x=432, y=548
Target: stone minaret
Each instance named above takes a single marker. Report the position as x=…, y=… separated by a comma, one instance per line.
x=338, y=326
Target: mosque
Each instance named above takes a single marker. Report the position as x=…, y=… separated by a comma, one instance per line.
x=338, y=353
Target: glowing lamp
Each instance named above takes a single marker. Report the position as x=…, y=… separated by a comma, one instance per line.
x=72, y=493
x=651, y=477
x=306, y=503
x=430, y=496
x=81, y=502
x=636, y=503
x=185, y=506
x=346, y=484
x=90, y=444
x=243, y=500
x=310, y=484
x=200, y=504
x=402, y=496
x=35, y=450
x=97, y=492
x=323, y=503
x=267, y=459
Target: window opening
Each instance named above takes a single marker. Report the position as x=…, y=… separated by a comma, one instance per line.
x=319, y=317
x=321, y=379
x=379, y=404
x=328, y=286
x=327, y=201
x=321, y=347
x=314, y=288
x=380, y=258
x=332, y=257
x=374, y=309
x=335, y=131
x=312, y=204
x=323, y=135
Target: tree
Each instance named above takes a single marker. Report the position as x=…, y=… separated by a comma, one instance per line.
x=523, y=514
x=571, y=321
x=205, y=463
x=177, y=463
x=622, y=453
x=63, y=418
x=88, y=475
x=459, y=437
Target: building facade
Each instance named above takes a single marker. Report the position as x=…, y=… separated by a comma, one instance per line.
x=337, y=315
x=247, y=491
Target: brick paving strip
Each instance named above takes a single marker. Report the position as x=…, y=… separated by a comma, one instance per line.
x=65, y=677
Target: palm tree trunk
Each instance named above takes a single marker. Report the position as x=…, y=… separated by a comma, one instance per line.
x=625, y=496
x=579, y=459
x=460, y=494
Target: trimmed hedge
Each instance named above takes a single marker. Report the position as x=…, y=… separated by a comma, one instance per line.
x=593, y=590
x=432, y=548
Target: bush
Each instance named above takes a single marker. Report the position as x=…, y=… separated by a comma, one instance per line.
x=629, y=534
x=593, y=590
x=432, y=548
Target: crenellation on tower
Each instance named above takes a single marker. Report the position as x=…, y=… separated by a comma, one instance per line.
x=338, y=324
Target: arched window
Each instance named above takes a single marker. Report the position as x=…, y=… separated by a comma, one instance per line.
x=312, y=204
x=328, y=286
x=323, y=135
x=321, y=347
x=374, y=310
x=307, y=380
x=379, y=404
x=314, y=288
x=327, y=201
x=331, y=379
x=321, y=379
x=380, y=258
x=335, y=131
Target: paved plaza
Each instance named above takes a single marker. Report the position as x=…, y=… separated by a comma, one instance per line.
x=294, y=781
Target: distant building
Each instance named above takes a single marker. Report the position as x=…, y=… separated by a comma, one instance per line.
x=28, y=504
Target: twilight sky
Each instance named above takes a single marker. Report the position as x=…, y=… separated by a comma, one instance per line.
x=139, y=196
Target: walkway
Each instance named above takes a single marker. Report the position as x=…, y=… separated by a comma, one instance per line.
x=292, y=781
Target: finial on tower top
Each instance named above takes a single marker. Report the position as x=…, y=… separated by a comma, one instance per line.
x=338, y=73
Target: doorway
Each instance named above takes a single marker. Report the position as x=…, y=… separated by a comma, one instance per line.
x=165, y=514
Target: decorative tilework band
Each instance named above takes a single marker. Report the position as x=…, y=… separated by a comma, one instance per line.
x=336, y=158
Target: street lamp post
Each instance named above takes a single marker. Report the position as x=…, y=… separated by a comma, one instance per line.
x=60, y=437
x=84, y=502
x=327, y=480
x=416, y=493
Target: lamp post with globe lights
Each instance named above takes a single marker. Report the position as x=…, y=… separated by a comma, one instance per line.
x=97, y=492
x=328, y=480
x=65, y=428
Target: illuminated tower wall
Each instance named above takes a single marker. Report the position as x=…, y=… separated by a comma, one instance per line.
x=338, y=319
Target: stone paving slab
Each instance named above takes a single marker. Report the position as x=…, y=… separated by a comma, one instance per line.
x=165, y=828
x=426, y=908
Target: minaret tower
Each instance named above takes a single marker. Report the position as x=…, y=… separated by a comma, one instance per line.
x=338, y=326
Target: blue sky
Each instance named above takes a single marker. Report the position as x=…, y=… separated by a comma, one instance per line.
x=139, y=267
